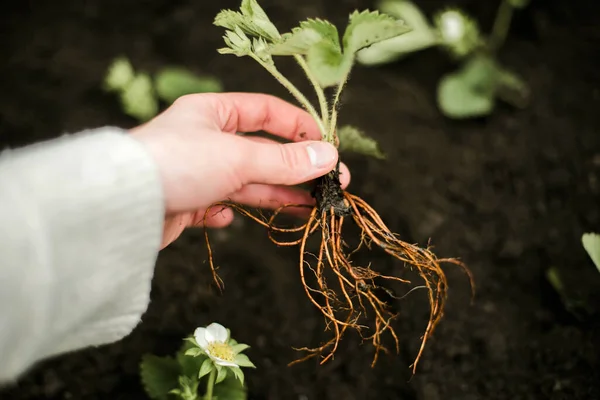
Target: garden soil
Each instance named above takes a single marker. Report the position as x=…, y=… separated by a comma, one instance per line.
x=510, y=195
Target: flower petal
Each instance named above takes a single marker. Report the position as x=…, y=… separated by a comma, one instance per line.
x=216, y=333
x=200, y=336
x=224, y=363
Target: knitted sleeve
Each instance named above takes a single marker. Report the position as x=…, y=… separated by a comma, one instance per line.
x=80, y=228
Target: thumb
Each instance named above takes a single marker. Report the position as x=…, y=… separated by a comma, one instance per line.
x=287, y=164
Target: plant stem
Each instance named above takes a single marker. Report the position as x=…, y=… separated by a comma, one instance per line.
x=501, y=25
x=331, y=137
x=210, y=384
x=294, y=91
x=320, y=93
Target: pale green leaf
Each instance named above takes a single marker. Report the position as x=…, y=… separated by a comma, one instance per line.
x=368, y=27
x=302, y=38
x=239, y=374
x=173, y=82
x=354, y=140
x=327, y=64
x=194, y=352
x=591, y=244
x=469, y=92
x=252, y=20
x=138, y=98
x=298, y=41
x=221, y=374
x=120, y=74
x=206, y=367
x=159, y=375
x=230, y=389
x=191, y=340
x=243, y=361
x=237, y=42
x=238, y=348
x=420, y=37
x=257, y=15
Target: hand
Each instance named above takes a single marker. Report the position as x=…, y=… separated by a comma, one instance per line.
x=202, y=160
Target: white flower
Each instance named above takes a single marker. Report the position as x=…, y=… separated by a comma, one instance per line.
x=213, y=340
x=452, y=26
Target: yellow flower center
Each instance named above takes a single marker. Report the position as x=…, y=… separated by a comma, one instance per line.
x=221, y=350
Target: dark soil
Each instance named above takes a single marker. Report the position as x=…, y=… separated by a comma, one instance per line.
x=510, y=195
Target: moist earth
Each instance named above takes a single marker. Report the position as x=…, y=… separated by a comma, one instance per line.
x=510, y=195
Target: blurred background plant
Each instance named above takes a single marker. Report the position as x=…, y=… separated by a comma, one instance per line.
x=140, y=93
x=470, y=91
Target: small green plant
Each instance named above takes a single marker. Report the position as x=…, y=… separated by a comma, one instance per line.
x=472, y=90
x=210, y=358
x=344, y=292
x=140, y=93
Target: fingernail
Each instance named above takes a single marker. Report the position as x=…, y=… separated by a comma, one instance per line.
x=321, y=154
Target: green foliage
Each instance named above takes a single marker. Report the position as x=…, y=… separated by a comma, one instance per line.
x=470, y=91
x=139, y=92
x=420, y=37
x=159, y=376
x=591, y=244
x=173, y=82
x=354, y=140
x=315, y=44
x=479, y=81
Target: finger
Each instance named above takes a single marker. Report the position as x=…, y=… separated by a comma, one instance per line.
x=274, y=197
x=252, y=112
x=217, y=217
x=284, y=164
x=344, y=171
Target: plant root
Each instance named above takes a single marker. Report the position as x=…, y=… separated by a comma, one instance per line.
x=349, y=294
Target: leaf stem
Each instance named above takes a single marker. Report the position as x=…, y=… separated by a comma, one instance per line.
x=320, y=93
x=294, y=91
x=210, y=384
x=501, y=25
x=331, y=136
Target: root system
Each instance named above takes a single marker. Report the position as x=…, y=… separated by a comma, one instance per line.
x=345, y=293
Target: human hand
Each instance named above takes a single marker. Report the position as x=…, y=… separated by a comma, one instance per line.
x=202, y=161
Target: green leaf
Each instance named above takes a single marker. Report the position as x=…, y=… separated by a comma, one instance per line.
x=138, y=98
x=159, y=376
x=252, y=20
x=469, y=92
x=243, y=361
x=257, y=15
x=237, y=43
x=239, y=374
x=120, y=74
x=238, y=348
x=420, y=37
x=172, y=83
x=368, y=27
x=354, y=140
x=327, y=64
x=189, y=365
x=206, y=367
x=194, y=352
x=221, y=374
x=230, y=389
x=591, y=244
x=298, y=41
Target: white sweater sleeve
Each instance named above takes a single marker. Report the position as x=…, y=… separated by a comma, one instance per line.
x=81, y=220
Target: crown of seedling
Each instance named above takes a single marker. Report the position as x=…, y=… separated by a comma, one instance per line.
x=343, y=291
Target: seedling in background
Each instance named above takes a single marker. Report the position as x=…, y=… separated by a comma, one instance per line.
x=209, y=359
x=140, y=93
x=348, y=298
x=472, y=90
